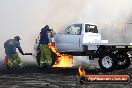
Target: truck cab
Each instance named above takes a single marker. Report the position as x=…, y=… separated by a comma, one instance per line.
x=75, y=35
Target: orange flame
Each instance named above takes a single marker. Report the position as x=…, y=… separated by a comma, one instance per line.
x=53, y=49
x=63, y=60
x=81, y=71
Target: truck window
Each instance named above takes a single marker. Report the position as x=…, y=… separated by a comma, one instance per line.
x=91, y=28
x=74, y=29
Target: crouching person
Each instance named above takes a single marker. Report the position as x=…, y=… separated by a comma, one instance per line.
x=10, y=50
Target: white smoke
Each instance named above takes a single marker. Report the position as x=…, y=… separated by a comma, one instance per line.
x=111, y=17
x=26, y=17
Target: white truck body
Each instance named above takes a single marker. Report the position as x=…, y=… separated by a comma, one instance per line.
x=74, y=42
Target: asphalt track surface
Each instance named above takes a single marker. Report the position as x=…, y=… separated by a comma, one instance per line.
x=34, y=77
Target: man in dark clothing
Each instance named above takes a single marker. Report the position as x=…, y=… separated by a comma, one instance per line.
x=10, y=50
x=45, y=57
x=44, y=35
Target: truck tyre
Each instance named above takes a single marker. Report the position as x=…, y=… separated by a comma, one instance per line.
x=123, y=60
x=107, y=62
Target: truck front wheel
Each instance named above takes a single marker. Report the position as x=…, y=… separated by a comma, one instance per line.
x=107, y=62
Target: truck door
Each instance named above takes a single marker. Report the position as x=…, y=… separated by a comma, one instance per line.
x=70, y=39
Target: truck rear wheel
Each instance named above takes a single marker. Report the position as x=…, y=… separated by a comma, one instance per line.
x=107, y=62
x=123, y=60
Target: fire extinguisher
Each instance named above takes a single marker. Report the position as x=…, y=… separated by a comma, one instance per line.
x=5, y=60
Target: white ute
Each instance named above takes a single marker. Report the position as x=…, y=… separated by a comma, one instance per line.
x=83, y=39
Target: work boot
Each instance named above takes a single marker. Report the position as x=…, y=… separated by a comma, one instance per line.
x=43, y=64
x=49, y=66
x=21, y=66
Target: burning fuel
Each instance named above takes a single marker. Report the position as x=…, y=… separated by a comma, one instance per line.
x=63, y=60
x=53, y=49
x=81, y=71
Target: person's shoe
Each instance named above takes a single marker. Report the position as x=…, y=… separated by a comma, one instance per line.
x=49, y=66
x=43, y=65
x=21, y=66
